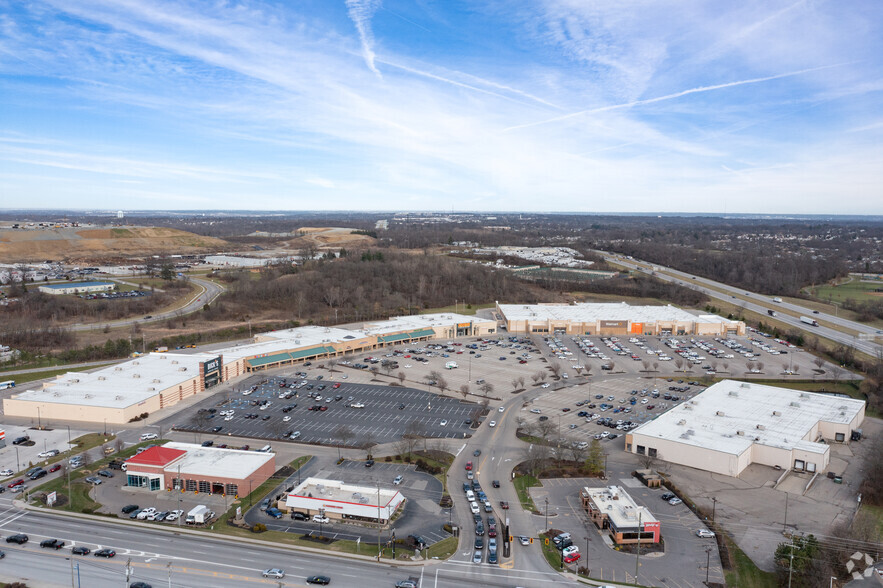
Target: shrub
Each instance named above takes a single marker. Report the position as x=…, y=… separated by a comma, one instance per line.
x=259, y=528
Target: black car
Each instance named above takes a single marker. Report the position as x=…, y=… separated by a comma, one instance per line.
x=667, y=496
x=323, y=580
x=38, y=474
x=299, y=516
x=134, y=514
x=479, y=543
x=80, y=550
x=140, y=585
x=369, y=463
x=216, y=429
x=53, y=543
x=495, y=483
x=20, y=538
x=21, y=440
x=105, y=553
x=129, y=508
x=105, y=473
x=208, y=443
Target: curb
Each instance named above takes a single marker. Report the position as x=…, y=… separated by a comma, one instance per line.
x=227, y=538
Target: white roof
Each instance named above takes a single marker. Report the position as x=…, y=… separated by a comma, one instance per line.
x=419, y=321
x=605, y=311
x=290, y=339
x=621, y=508
x=217, y=462
x=123, y=384
x=342, y=498
x=778, y=417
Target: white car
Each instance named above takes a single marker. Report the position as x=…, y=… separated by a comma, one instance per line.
x=535, y=411
x=142, y=516
x=174, y=515
x=148, y=436
x=492, y=424
x=501, y=409
x=321, y=519
x=473, y=506
x=398, y=479
x=705, y=534
x=285, y=419
x=6, y=472
x=357, y=405
x=546, y=385
x=50, y=453
x=274, y=573
x=571, y=549
x=228, y=417
x=443, y=423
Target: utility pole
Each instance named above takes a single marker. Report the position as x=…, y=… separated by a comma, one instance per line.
x=379, y=548
x=791, y=563
x=67, y=468
x=128, y=570
x=785, y=523
x=547, y=513
x=638, y=558
x=169, y=568
x=714, y=507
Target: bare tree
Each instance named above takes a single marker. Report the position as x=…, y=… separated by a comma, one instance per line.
x=442, y=384
x=588, y=370
x=535, y=378
x=401, y=378
x=545, y=429
x=837, y=373
x=344, y=435
x=464, y=390
x=612, y=366
x=578, y=369
x=543, y=376
x=760, y=365
x=486, y=388
x=373, y=369
x=819, y=362
x=714, y=365
x=679, y=363
x=648, y=462
x=646, y=365
x=277, y=427
x=795, y=368
x=402, y=447
x=514, y=384
x=366, y=442
x=751, y=365
x=535, y=456
x=555, y=368
x=330, y=364
x=655, y=366
x=412, y=434
x=387, y=367
x=784, y=366
x=727, y=366
x=118, y=444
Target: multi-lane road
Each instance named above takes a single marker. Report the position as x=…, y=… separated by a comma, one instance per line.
x=862, y=340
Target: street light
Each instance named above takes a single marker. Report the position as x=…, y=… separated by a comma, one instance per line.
x=713, y=507
x=547, y=513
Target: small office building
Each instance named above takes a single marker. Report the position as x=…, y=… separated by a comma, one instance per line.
x=205, y=470
x=76, y=288
x=339, y=500
x=612, y=509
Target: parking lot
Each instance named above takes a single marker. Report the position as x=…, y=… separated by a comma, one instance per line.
x=380, y=413
x=421, y=514
x=683, y=562
x=27, y=454
x=564, y=407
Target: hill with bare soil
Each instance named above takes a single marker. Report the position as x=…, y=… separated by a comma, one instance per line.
x=93, y=244
x=329, y=238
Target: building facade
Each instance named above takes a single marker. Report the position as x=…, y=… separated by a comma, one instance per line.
x=76, y=287
x=612, y=509
x=341, y=501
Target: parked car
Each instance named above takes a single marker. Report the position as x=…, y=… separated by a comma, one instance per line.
x=105, y=473
x=321, y=519
x=7, y=472
x=705, y=533
x=398, y=479
x=675, y=501
x=129, y=508
x=94, y=481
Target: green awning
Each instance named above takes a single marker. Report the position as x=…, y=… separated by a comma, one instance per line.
x=394, y=338
x=311, y=352
x=422, y=333
x=268, y=359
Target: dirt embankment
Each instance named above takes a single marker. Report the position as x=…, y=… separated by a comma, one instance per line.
x=93, y=245
x=329, y=238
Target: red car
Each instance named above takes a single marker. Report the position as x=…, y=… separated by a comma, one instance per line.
x=55, y=468
x=468, y=468
x=21, y=481
x=571, y=557
x=504, y=505
x=337, y=385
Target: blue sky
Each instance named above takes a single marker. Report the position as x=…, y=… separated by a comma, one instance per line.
x=528, y=105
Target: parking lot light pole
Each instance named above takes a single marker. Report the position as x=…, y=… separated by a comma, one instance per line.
x=707, y=563
x=547, y=513
x=713, y=507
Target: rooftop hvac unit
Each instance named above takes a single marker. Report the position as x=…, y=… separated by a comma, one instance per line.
x=118, y=369
x=804, y=395
x=795, y=404
x=682, y=422
x=734, y=393
x=684, y=436
x=174, y=361
x=740, y=433
x=688, y=407
x=691, y=432
x=777, y=413
x=745, y=385
x=57, y=395
x=87, y=396
x=297, y=341
x=182, y=369
x=136, y=362
x=136, y=375
x=760, y=428
x=117, y=397
x=156, y=381
x=75, y=380
x=101, y=378
x=719, y=413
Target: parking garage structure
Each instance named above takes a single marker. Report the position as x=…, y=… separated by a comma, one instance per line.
x=612, y=509
x=613, y=319
x=341, y=501
x=732, y=424
x=187, y=467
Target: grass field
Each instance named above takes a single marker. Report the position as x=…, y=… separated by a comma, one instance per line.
x=459, y=309
x=522, y=483
x=746, y=574
x=854, y=289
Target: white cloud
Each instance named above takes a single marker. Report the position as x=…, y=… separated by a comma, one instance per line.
x=361, y=12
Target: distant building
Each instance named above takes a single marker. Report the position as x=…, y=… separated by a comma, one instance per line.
x=615, y=318
x=77, y=288
x=120, y=214
x=612, y=509
x=733, y=424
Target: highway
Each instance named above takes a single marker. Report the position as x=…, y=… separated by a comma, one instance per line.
x=206, y=294
x=761, y=303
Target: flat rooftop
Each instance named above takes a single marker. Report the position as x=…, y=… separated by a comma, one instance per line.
x=604, y=311
x=214, y=461
x=419, y=321
x=322, y=489
x=65, y=285
x=621, y=508
x=123, y=384
x=730, y=416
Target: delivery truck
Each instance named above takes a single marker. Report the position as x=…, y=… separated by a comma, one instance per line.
x=199, y=515
x=809, y=321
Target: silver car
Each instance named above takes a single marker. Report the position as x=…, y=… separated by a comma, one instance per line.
x=277, y=573
x=477, y=557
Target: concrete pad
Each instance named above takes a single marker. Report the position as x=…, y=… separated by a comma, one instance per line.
x=868, y=560
x=857, y=576
x=850, y=566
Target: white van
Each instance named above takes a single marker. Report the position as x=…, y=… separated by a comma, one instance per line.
x=148, y=436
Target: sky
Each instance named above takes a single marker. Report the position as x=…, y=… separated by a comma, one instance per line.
x=712, y=106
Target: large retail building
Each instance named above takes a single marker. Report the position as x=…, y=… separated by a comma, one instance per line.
x=615, y=318
x=733, y=424
x=152, y=382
